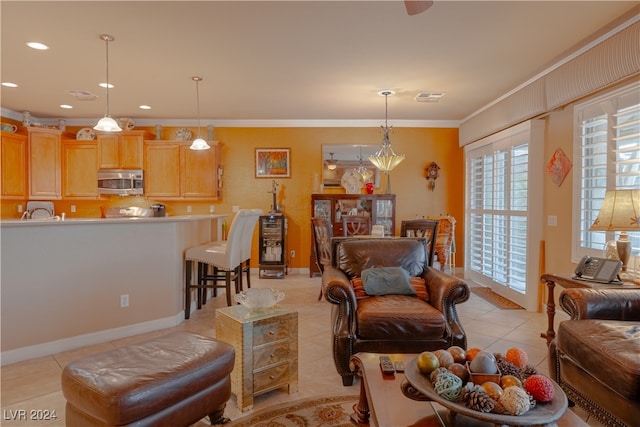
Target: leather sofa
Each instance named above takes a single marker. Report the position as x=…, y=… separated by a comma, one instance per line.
x=389, y=323
x=595, y=356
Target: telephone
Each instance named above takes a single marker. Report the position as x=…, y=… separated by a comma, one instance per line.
x=599, y=270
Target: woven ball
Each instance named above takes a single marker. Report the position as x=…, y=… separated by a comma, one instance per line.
x=540, y=387
x=515, y=400
x=434, y=375
x=448, y=386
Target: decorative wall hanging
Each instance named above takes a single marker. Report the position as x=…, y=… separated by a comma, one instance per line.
x=273, y=163
x=558, y=167
x=432, y=173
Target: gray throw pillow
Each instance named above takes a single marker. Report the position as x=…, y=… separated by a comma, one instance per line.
x=386, y=281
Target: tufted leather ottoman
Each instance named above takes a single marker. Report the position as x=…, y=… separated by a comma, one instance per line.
x=173, y=380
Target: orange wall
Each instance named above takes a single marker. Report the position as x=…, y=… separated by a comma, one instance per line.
x=242, y=188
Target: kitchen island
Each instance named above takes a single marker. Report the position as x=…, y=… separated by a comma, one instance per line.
x=78, y=282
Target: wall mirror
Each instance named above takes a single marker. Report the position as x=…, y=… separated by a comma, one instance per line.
x=346, y=158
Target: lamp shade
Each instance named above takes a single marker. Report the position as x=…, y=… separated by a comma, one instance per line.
x=199, y=144
x=620, y=211
x=107, y=124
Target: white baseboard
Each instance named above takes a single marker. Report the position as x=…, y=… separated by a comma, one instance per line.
x=53, y=347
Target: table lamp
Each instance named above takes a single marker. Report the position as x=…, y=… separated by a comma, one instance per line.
x=620, y=211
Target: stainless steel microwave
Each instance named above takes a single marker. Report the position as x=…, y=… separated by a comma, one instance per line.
x=122, y=182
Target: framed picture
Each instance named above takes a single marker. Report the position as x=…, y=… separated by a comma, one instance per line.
x=273, y=163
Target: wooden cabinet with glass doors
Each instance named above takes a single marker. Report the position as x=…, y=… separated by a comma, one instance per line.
x=380, y=207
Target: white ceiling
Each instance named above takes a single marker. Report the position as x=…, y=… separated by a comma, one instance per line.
x=285, y=61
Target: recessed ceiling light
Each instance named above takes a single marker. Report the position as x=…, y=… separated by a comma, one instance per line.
x=104, y=85
x=67, y=106
x=37, y=45
x=145, y=107
x=9, y=84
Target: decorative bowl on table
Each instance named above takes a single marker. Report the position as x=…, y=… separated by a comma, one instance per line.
x=542, y=414
x=259, y=298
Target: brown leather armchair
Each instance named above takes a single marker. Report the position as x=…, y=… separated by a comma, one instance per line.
x=595, y=356
x=389, y=323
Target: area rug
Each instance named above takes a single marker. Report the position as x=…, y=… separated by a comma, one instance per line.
x=328, y=411
x=498, y=300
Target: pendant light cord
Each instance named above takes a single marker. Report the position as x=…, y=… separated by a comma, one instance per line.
x=107, y=50
x=197, y=79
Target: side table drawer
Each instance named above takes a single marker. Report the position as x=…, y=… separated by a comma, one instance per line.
x=271, y=378
x=268, y=331
x=270, y=354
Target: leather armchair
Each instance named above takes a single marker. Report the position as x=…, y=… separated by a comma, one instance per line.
x=595, y=356
x=389, y=323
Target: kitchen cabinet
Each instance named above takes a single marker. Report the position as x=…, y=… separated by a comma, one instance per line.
x=173, y=171
x=79, y=169
x=13, y=164
x=121, y=150
x=44, y=161
x=380, y=207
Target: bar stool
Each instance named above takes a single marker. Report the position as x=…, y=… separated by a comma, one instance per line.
x=226, y=259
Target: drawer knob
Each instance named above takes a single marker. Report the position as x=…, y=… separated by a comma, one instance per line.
x=272, y=377
x=271, y=333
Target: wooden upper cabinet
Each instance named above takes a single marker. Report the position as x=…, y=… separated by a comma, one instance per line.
x=44, y=161
x=173, y=171
x=121, y=150
x=199, y=173
x=79, y=169
x=13, y=164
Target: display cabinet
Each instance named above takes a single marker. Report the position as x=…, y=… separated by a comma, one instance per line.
x=380, y=207
x=272, y=245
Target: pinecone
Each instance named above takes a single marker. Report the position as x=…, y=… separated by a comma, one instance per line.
x=527, y=372
x=479, y=400
x=468, y=388
x=498, y=356
x=532, y=401
x=508, y=368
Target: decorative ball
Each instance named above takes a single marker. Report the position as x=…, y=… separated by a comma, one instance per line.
x=459, y=371
x=517, y=356
x=444, y=357
x=540, y=387
x=515, y=400
x=434, y=375
x=448, y=386
x=484, y=363
x=459, y=354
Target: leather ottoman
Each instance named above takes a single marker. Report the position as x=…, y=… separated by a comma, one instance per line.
x=173, y=380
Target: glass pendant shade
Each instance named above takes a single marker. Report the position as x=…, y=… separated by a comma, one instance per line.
x=385, y=158
x=199, y=143
x=107, y=124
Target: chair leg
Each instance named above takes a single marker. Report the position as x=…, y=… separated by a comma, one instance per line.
x=248, y=267
x=320, y=295
x=227, y=280
x=187, y=286
x=238, y=281
x=201, y=282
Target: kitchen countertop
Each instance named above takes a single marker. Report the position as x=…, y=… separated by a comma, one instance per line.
x=125, y=220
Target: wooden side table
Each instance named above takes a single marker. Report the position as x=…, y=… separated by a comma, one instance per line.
x=551, y=280
x=266, y=344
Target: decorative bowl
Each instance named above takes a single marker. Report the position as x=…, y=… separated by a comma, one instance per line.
x=257, y=298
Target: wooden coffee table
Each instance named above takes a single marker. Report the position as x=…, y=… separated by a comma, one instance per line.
x=383, y=402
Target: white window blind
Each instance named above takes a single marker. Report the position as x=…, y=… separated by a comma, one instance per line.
x=607, y=148
x=501, y=212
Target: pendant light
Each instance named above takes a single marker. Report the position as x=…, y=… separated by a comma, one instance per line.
x=332, y=164
x=107, y=124
x=364, y=172
x=385, y=158
x=199, y=143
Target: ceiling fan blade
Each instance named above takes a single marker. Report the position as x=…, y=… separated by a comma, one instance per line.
x=416, y=7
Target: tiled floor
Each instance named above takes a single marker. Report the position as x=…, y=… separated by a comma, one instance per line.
x=35, y=384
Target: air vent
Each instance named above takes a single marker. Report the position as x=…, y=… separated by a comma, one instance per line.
x=82, y=95
x=429, y=96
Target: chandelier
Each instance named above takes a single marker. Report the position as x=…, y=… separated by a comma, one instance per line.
x=385, y=159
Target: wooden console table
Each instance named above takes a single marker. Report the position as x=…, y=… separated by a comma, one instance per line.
x=551, y=280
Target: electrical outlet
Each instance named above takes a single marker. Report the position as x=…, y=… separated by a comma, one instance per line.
x=552, y=220
x=124, y=300
x=73, y=208
x=293, y=254
x=19, y=208
x=235, y=208
x=188, y=209
x=212, y=209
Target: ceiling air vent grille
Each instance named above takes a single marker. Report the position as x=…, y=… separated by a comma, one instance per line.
x=429, y=96
x=82, y=95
